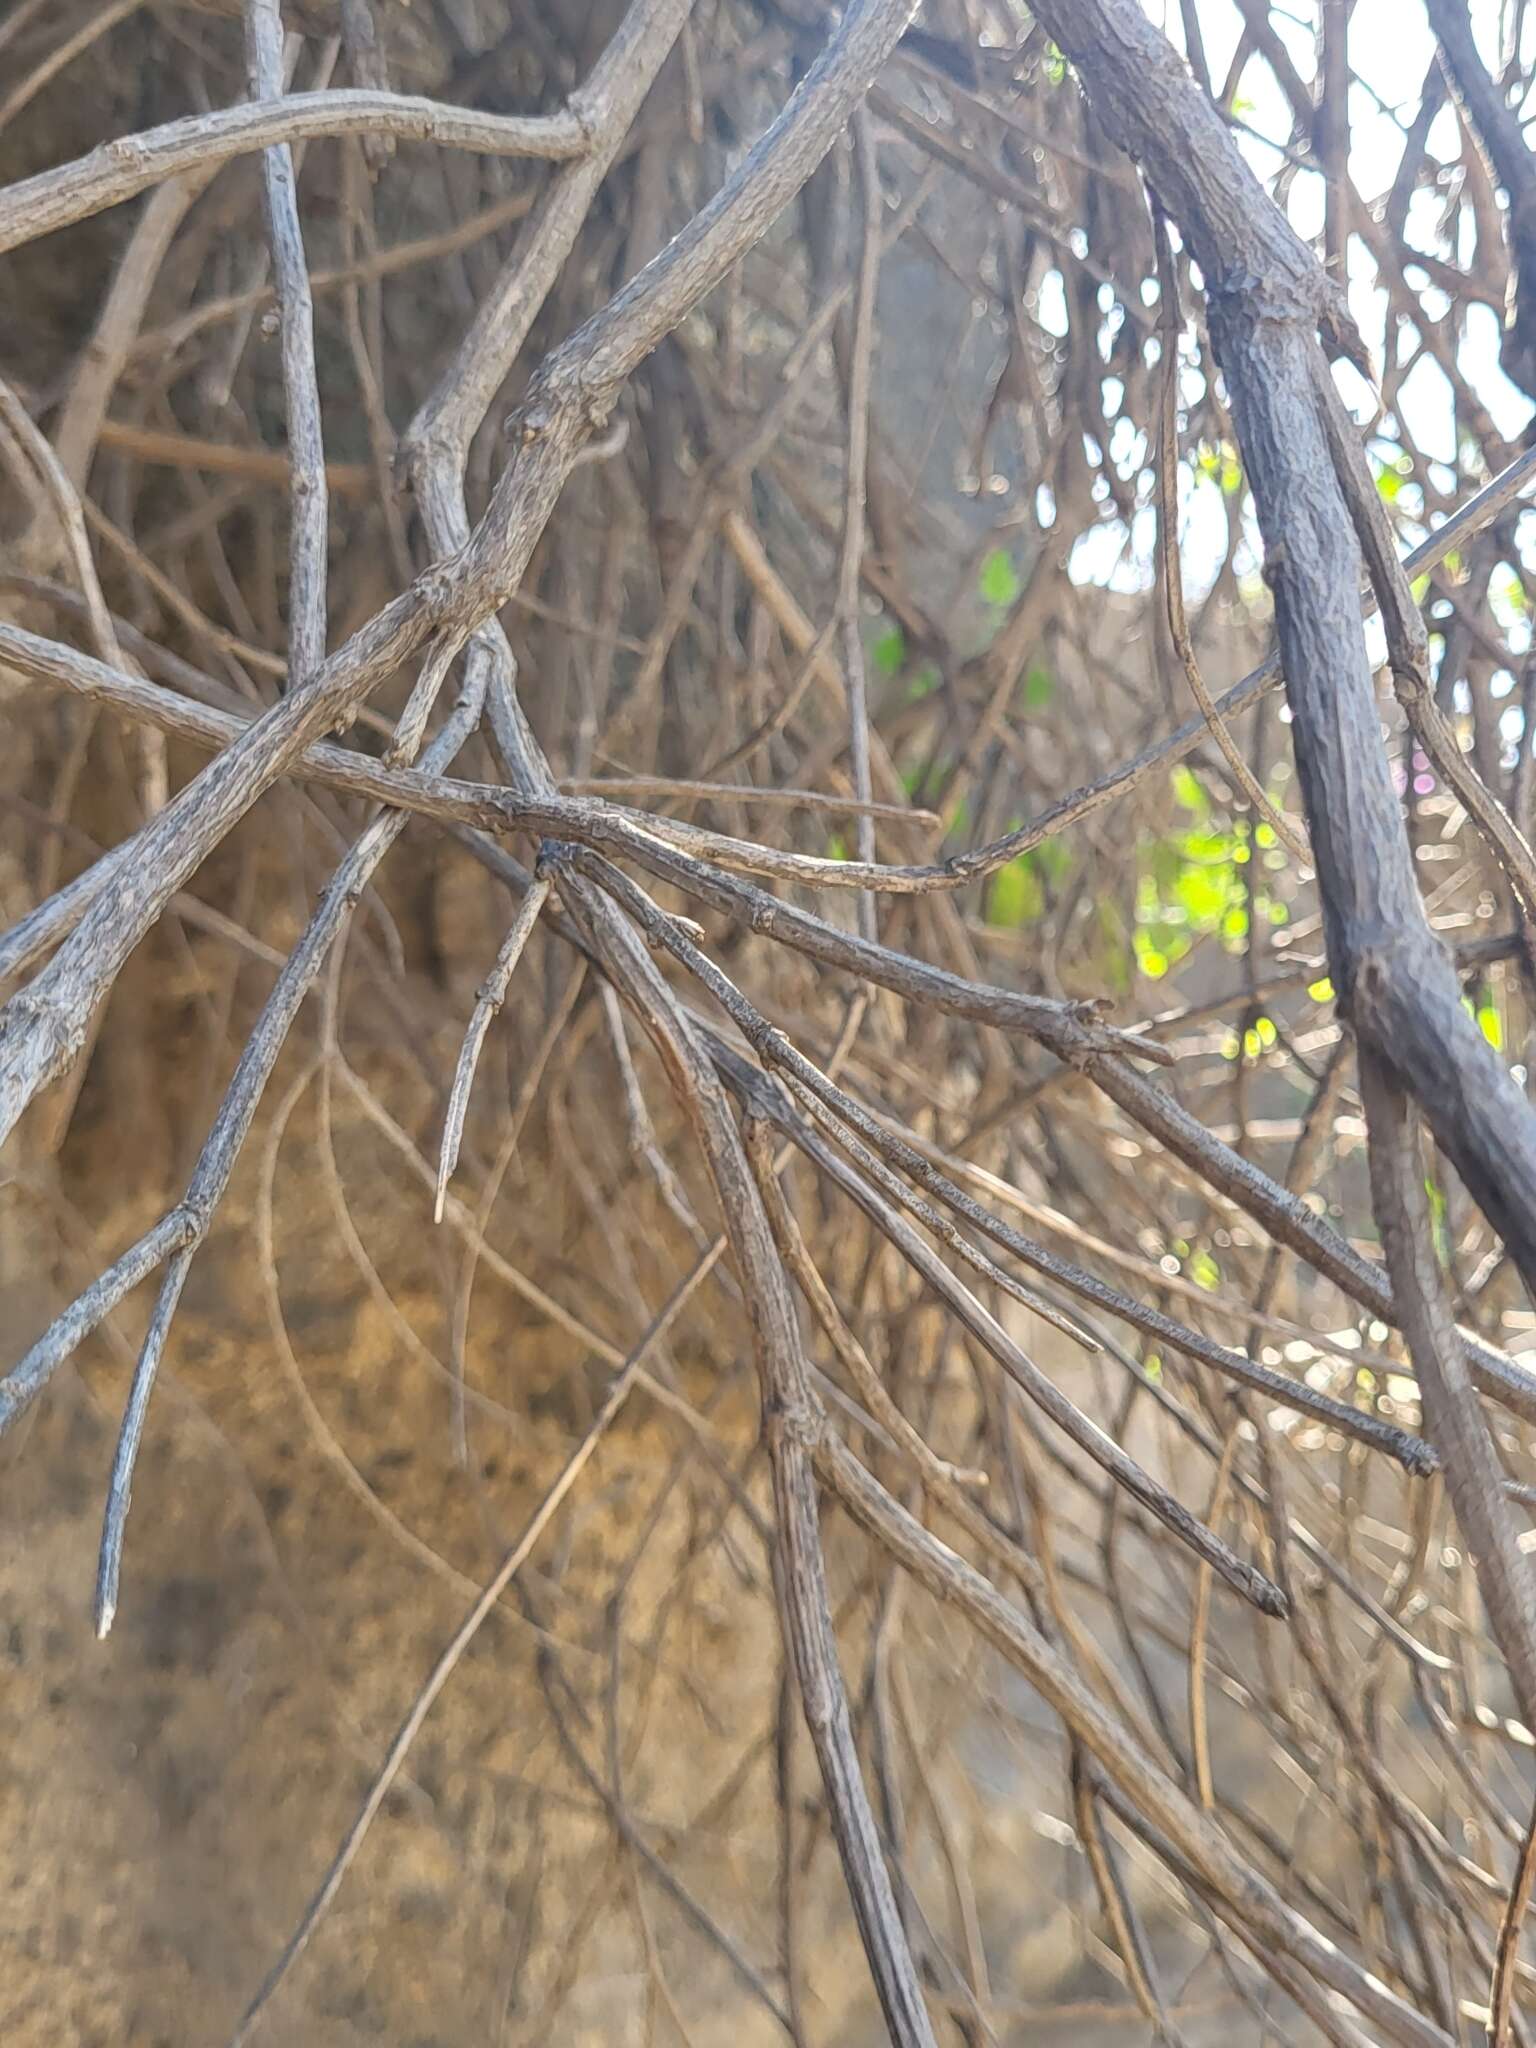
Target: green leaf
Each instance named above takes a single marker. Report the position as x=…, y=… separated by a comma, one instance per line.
x=1438, y=1230
x=1015, y=896
x=1209, y=846
x=923, y=684
x=837, y=847
x=1321, y=991
x=1486, y=1016
x=1259, y=1037
x=999, y=580
x=1165, y=865
x=1203, y=893
x=1391, y=476
x=890, y=650
x=1222, y=466
x=1204, y=1271
x=1189, y=794
x=1039, y=688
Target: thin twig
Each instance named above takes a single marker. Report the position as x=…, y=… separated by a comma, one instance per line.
x=1501, y=1996
x=1170, y=326
x=492, y=994
x=308, y=514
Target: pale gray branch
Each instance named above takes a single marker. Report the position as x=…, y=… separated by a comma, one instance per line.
x=130, y=164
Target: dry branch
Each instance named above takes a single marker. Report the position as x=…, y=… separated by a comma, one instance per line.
x=131, y=164
x=716, y=533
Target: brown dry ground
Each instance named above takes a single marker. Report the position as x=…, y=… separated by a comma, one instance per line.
x=169, y=1798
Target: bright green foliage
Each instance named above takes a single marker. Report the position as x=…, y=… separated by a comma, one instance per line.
x=1436, y=1194
x=1204, y=1271
x=890, y=650
x=1222, y=467
x=1507, y=593
x=999, y=580
x=1185, y=891
x=1197, y=1263
x=1191, y=886
x=1391, y=476
x=1189, y=794
x=1485, y=1012
x=1259, y=1037
x=1016, y=894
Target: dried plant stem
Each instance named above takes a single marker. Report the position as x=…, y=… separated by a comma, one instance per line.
x=123, y=168
x=492, y=994
x=870, y=1096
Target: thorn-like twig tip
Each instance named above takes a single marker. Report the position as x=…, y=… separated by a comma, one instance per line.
x=1419, y=1459
x=1269, y=1598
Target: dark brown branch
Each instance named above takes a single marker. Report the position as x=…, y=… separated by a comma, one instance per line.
x=1267, y=301
x=1498, y=126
